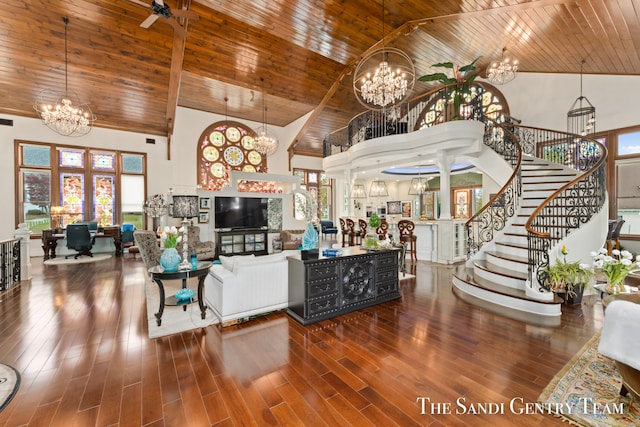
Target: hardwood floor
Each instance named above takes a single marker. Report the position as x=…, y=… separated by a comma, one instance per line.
x=78, y=335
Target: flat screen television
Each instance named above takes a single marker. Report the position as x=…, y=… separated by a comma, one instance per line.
x=240, y=212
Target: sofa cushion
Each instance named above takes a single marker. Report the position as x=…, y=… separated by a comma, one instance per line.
x=230, y=262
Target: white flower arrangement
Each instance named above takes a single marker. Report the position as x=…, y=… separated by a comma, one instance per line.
x=170, y=237
x=615, y=266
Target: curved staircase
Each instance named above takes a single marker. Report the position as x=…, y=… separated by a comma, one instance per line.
x=499, y=277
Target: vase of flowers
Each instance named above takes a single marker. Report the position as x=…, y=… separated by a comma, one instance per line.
x=616, y=267
x=170, y=258
x=568, y=277
x=371, y=240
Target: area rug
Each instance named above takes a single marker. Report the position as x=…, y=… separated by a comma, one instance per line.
x=60, y=260
x=174, y=319
x=586, y=392
x=9, y=384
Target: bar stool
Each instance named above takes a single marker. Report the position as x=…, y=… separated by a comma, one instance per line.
x=382, y=229
x=363, y=229
x=406, y=227
x=613, y=236
x=344, y=231
x=354, y=235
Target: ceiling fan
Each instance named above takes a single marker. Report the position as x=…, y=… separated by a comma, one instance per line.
x=161, y=10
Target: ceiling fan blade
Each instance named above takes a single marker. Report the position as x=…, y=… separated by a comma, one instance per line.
x=177, y=27
x=185, y=14
x=141, y=3
x=150, y=20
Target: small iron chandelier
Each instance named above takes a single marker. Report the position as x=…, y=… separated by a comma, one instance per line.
x=502, y=71
x=64, y=113
x=581, y=118
x=389, y=83
x=265, y=144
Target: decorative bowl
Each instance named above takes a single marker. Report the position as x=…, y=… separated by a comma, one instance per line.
x=185, y=294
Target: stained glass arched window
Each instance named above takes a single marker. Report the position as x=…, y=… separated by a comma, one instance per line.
x=494, y=105
x=225, y=146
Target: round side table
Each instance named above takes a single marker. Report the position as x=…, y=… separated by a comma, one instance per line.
x=158, y=275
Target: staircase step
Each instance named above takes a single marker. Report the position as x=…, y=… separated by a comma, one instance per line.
x=506, y=301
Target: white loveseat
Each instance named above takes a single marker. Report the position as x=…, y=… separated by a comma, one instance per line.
x=244, y=286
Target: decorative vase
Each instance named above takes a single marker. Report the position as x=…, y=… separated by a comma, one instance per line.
x=170, y=259
x=371, y=241
x=616, y=287
x=310, y=237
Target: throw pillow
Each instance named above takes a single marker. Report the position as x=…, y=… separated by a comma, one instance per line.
x=297, y=239
x=231, y=262
x=227, y=262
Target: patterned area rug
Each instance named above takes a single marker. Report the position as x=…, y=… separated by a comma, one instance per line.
x=9, y=384
x=586, y=392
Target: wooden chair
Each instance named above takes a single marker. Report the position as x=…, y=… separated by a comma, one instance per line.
x=354, y=235
x=406, y=227
x=363, y=228
x=344, y=231
x=382, y=230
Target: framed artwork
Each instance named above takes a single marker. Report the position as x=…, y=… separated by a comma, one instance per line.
x=461, y=199
x=406, y=209
x=205, y=203
x=203, y=218
x=394, y=208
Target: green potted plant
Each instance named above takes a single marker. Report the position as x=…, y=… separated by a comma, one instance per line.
x=371, y=241
x=569, y=278
x=462, y=76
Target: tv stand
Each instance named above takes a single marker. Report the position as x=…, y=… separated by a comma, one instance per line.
x=241, y=242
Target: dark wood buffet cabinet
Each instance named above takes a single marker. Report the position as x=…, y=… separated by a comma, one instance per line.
x=327, y=287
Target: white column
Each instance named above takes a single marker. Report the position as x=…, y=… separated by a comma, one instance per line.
x=444, y=164
x=24, y=234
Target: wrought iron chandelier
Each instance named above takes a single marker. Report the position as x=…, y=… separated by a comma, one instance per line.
x=502, y=71
x=388, y=83
x=581, y=118
x=265, y=144
x=64, y=113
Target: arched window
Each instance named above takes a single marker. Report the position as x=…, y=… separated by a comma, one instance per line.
x=494, y=105
x=225, y=146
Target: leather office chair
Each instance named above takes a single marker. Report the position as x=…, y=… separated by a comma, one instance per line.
x=147, y=243
x=79, y=239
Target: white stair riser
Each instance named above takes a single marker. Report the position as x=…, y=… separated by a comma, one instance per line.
x=510, y=250
x=542, y=186
x=537, y=179
x=507, y=301
x=539, y=193
x=497, y=264
x=518, y=240
x=499, y=279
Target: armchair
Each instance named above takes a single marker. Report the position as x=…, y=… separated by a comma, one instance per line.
x=79, y=239
x=327, y=227
x=203, y=250
x=147, y=243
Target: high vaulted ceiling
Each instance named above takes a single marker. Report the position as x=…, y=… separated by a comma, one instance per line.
x=305, y=50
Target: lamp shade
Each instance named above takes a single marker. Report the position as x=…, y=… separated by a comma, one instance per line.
x=378, y=189
x=357, y=191
x=418, y=186
x=185, y=206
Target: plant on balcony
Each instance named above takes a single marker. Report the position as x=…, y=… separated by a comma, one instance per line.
x=566, y=277
x=462, y=76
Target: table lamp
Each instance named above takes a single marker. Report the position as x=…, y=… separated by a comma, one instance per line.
x=185, y=207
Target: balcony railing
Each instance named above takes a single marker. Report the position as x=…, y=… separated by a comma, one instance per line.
x=446, y=103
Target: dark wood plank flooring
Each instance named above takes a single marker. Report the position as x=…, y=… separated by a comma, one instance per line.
x=78, y=335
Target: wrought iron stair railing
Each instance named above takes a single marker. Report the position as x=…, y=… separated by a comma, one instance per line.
x=571, y=205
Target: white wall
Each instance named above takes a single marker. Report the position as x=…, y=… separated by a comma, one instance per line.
x=543, y=100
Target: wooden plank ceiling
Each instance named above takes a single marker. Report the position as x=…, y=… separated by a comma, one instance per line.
x=302, y=49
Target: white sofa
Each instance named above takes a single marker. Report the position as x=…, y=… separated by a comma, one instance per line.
x=244, y=286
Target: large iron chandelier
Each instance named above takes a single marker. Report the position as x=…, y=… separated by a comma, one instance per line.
x=264, y=143
x=581, y=118
x=503, y=71
x=64, y=113
x=389, y=82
